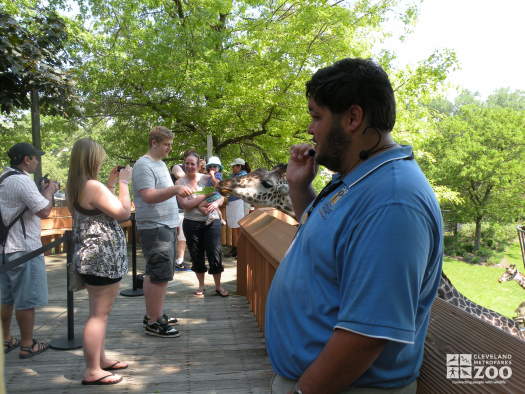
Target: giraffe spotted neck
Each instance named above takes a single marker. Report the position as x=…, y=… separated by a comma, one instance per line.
x=449, y=293
x=263, y=188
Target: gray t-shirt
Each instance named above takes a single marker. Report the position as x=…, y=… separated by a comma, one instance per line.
x=153, y=174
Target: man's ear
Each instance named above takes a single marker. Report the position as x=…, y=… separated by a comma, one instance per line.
x=27, y=159
x=353, y=118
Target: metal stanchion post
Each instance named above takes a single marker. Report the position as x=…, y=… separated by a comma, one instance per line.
x=70, y=342
x=135, y=291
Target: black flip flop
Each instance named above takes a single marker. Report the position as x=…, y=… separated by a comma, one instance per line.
x=223, y=293
x=101, y=382
x=114, y=367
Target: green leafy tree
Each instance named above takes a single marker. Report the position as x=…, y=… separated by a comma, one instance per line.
x=478, y=152
x=234, y=70
x=32, y=57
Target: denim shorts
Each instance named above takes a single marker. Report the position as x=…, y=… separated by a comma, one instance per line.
x=25, y=286
x=158, y=247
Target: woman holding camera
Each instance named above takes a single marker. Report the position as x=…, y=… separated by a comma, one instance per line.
x=100, y=248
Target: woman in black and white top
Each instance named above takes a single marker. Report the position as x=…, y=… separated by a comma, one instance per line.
x=100, y=248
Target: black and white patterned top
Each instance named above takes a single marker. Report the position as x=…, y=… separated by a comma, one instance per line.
x=99, y=244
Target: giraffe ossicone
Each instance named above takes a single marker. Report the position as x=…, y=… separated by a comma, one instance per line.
x=263, y=188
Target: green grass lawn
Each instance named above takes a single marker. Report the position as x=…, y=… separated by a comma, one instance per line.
x=480, y=283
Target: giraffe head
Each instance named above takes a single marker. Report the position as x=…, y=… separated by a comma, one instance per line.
x=510, y=273
x=520, y=317
x=520, y=310
x=261, y=188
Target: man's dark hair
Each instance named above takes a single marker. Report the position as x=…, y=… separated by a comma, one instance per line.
x=17, y=161
x=355, y=81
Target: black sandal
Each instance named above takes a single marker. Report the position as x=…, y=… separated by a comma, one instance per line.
x=41, y=348
x=11, y=344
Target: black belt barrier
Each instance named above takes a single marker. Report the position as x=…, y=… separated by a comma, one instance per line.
x=31, y=255
x=70, y=342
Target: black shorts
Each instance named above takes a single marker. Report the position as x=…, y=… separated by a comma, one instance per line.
x=93, y=280
x=158, y=247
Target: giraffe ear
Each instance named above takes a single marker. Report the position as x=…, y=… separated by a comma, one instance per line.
x=283, y=189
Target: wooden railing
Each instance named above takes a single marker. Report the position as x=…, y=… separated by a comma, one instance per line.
x=265, y=237
x=54, y=226
x=59, y=221
x=226, y=232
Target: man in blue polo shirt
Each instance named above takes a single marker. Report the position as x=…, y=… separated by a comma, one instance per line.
x=363, y=270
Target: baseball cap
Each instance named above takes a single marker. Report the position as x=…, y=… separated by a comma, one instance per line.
x=18, y=151
x=238, y=162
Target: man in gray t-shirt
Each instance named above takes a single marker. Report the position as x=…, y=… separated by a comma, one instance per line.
x=157, y=217
x=153, y=174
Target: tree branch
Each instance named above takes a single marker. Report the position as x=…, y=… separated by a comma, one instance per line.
x=242, y=138
x=180, y=12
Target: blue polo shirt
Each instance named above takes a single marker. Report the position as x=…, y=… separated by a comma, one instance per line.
x=367, y=260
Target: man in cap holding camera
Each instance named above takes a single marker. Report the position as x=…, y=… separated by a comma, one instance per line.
x=24, y=287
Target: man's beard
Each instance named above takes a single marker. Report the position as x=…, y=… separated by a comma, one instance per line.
x=335, y=145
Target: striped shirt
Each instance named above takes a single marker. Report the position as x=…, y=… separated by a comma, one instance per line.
x=16, y=193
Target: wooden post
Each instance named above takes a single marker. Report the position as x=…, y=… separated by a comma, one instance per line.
x=35, y=131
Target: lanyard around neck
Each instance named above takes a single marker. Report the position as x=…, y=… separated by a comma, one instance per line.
x=331, y=186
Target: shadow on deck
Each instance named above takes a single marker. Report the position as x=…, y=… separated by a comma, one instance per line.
x=220, y=350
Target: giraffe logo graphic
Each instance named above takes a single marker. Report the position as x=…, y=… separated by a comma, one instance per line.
x=459, y=366
x=484, y=368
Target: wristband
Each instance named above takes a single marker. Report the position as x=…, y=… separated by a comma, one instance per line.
x=123, y=181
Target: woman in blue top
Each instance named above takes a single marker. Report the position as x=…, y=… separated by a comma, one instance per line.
x=235, y=208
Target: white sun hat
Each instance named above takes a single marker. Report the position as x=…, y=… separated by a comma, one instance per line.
x=238, y=162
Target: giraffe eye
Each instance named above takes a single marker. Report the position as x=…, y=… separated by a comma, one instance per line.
x=267, y=184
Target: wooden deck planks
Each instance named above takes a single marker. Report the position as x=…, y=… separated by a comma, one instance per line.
x=220, y=350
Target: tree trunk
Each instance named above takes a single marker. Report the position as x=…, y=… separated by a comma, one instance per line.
x=209, y=145
x=35, y=131
x=477, y=239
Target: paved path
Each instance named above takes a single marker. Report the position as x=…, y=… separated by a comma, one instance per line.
x=220, y=349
